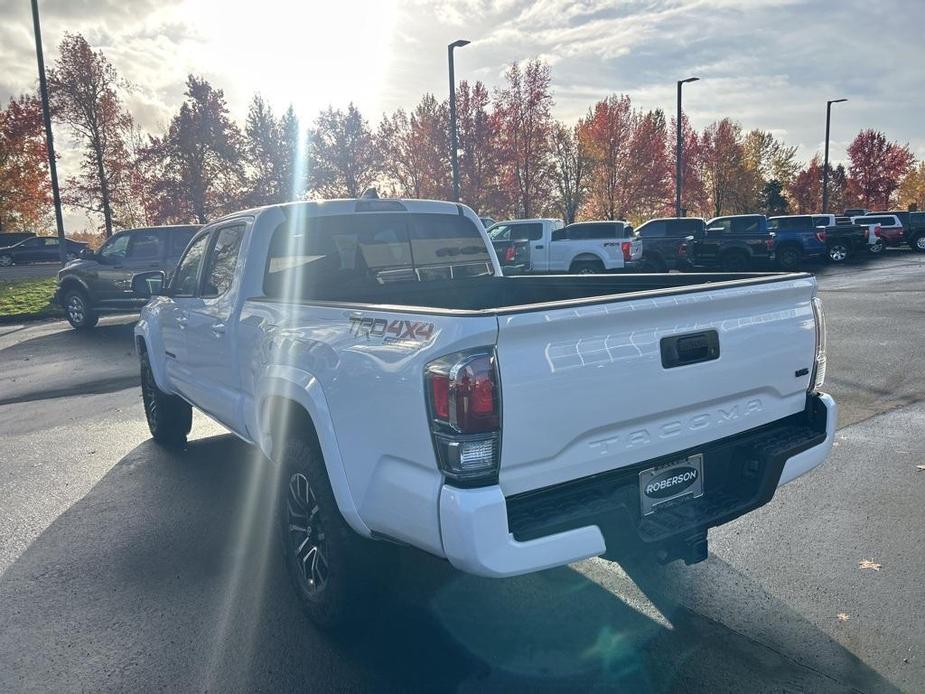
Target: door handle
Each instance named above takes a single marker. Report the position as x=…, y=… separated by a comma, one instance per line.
x=218, y=329
x=539, y=247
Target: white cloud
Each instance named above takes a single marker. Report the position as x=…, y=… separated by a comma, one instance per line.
x=767, y=63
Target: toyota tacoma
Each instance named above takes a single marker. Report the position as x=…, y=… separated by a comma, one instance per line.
x=407, y=392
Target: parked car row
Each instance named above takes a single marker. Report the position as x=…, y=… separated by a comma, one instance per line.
x=38, y=249
x=734, y=243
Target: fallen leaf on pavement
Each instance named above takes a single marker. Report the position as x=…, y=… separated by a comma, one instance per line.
x=869, y=564
x=842, y=616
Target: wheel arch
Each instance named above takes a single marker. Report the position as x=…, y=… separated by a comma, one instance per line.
x=288, y=398
x=587, y=257
x=69, y=283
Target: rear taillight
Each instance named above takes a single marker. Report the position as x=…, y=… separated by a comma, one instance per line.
x=770, y=244
x=877, y=230
x=509, y=254
x=464, y=409
x=821, y=236
x=682, y=250
x=818, y=378
x=627, y=247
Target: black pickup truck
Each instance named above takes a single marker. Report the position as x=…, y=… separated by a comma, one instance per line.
x=666, y=242
x=736, y=243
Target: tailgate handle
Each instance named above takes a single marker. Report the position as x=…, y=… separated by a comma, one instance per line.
x=693, y=348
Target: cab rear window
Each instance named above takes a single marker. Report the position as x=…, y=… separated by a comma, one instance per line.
x=322, y=257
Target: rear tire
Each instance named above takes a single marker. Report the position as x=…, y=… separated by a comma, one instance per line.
x=78, y=311
x=877, y=248
x=587, y=267
x=789, y=258
x=335, y=572
x=918, y=243
x=735, y=262
x=838, y=252
x=170, y=418
x=654, y=265
x=6, y=260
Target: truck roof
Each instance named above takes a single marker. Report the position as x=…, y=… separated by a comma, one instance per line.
x=342, y=206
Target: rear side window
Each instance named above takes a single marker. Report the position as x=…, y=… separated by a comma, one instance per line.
x=683, y=227
x=586, y=232
x=721, y=226
x=882, y=221
x=822, y=221
x=746, y=225
x=517, y=232
x=179, y=240
x=327, y=257
x=789, y=223
x=652, y=230
x=144, y=245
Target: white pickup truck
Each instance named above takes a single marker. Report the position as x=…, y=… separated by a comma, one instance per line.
x=409, y=393
x=583, y=248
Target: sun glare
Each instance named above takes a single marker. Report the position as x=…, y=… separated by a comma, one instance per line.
x=309, y=54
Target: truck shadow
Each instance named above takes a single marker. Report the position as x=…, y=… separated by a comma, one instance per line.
x=167, y=574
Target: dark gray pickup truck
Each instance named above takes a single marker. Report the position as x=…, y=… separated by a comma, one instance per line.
x=105, y=280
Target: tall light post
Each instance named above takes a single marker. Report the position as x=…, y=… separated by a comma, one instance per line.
x=454, y=156
x=678, y=152
x=825, y=165
x=49, y=140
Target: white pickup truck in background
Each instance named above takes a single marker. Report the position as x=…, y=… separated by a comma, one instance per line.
x=410, y=393
x=547, y=246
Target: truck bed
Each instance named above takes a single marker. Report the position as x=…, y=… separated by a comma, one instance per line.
x=509, y=294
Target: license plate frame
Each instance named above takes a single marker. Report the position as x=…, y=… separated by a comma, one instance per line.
x=657, y=484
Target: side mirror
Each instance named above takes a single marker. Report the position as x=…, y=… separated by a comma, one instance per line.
x=148, y=284
x=87, y=254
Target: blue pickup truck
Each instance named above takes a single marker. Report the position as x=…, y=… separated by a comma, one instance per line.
x=799, y=238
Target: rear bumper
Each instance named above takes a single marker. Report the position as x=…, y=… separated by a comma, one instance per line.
x=487, y=534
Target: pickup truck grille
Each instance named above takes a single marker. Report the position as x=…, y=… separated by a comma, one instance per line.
x=740, y=473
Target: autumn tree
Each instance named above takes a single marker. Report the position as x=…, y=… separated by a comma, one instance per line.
x=765, y=159
x=725, y=174
x=606, y=133
x=524, y=109
x=911, y=194
x=649, y=168
x=477, y=129
x=261, y=148
x=571, y=167
x=772, y=200
x=24, y=182
x=877, y=168
x=693, y=188
x=198, y=158
x=83, y=89
x=415, y=150
x=343, y=158
x=806, y=188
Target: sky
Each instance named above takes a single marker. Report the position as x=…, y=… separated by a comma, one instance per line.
x=770, y=64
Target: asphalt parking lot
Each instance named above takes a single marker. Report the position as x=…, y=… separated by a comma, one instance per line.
x=124, y=566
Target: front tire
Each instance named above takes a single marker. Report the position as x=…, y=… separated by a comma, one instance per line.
x=170, y=418
x=78, y=311
x=336, y=573
x=877, y=248
x=918, y=243
x=6, y=260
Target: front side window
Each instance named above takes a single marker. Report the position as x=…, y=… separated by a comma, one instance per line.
x=116, y=247
x=50, y=243
x=222, y=260
x=330, y=256
x=721, y=226
x=184, y=281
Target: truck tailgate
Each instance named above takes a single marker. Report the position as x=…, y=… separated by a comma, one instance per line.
x=587, y=389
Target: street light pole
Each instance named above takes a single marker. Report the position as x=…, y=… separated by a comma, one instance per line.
x=678, y=152
x=49, y=140
x=825, y=165
x=454, y=156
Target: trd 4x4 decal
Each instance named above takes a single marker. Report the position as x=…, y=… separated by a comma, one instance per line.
x=391, y=331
